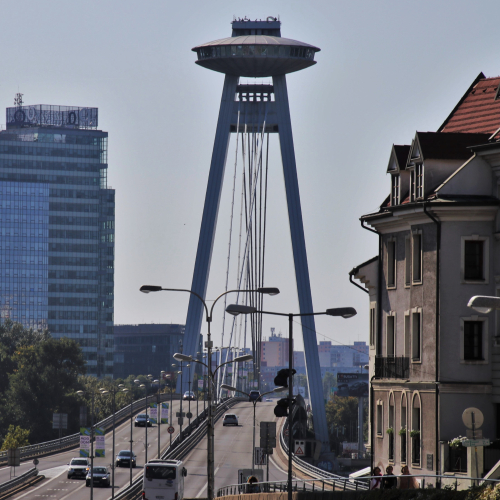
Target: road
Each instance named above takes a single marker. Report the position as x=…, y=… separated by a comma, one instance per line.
x=233, y=447
x=54, y=467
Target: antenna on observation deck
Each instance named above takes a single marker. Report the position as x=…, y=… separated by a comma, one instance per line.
x=18, y=100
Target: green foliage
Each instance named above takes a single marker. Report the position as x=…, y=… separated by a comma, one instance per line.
x=15, y=335
x=16, y=438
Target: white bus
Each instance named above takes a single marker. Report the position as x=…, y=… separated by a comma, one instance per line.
x=163, y=480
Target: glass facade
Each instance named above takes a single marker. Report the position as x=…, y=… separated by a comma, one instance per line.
x=57, y=223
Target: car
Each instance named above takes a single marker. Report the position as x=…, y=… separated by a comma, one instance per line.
x=189, y=395
x=230, y=419
x=254, y=396
x=78, y=467
x=269, y=400
x=101, y=477
x=123, y=459
x=141, y=419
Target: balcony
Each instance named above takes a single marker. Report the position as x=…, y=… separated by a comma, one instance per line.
x=392, y=367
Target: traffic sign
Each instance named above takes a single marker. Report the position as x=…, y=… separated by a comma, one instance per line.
x=180, y=414
x=180, y=420
x=286, y=433
x=170, y=430
x=260, y=456
x=189, y=415
x=300, y=448
x=476, y=442
x=472, y=418
x=36, y=461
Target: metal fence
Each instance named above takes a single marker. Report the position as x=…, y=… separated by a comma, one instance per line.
x=17, y=481
x=73, y=440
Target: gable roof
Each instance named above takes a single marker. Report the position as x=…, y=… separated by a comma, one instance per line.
x=479, y=109
x=439, y=146
x=397, y=160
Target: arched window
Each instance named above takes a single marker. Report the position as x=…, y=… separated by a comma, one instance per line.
x=391, y=428
x=415, y=433
x=403, y=427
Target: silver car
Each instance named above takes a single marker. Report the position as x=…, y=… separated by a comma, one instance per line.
x=78, y=467
x=230, y=419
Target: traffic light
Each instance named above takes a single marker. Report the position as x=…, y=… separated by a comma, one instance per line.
x=281, y=408
x=281, y=379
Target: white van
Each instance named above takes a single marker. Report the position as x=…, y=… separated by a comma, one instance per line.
x=163, y=480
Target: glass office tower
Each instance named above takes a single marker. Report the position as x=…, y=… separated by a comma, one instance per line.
x=57, y=220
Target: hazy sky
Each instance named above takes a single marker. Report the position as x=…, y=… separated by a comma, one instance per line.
x=385, y=70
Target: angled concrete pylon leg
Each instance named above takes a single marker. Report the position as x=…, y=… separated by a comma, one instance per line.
x=300, y=260
x=208, y=223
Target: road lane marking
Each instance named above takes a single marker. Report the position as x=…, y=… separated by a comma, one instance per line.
x=44, y=483
x=74, y=491
x=205, y=487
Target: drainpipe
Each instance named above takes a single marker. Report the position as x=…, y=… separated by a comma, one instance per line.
x=438, y=259
x=379, y=333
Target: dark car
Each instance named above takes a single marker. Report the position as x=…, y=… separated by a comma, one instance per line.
x=189, y=396
x=78, y=467
x=254, y=396
x=101, y=477
x=123, y=459
x=141, y=420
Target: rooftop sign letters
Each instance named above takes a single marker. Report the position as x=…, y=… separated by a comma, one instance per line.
x=55, y=116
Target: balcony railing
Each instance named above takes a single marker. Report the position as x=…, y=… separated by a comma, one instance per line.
x=392, y=367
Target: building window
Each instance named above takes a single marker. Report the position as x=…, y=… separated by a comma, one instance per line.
x=391, y=426
x=391, y=264
x=391, y=335
x=380, y=418
x=419, y=181
x=395, y=189
x=473, y=340
x=373, y=323
x=417, y=258
x=416, y=334
x=407, y=334
x=404, y=426
x=412, y=185
x=408, y=261
x=416, y=432
x=475, y=259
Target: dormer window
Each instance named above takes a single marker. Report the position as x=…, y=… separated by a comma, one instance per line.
x=395, y=189
x=417, y=182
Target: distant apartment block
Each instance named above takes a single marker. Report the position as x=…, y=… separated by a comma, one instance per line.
x=274, y=351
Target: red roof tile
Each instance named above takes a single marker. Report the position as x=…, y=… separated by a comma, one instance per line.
x=478, y=111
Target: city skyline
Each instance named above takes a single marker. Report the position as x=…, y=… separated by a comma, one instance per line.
x=160, y=110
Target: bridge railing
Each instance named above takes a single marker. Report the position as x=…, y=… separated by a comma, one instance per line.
x=339, y=482
x=73, y=440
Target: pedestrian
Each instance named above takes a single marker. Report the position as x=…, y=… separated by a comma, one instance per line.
x=407, y=481
x=253, y=485
x=389, y=480
x=376, y=481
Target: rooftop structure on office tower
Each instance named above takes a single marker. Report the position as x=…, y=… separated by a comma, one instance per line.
x=57, y=221
x=149, y=348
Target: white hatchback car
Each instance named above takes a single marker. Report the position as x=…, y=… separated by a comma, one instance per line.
x=230, y=419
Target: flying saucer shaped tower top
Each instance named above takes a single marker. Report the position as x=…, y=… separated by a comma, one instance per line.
x=256, y=49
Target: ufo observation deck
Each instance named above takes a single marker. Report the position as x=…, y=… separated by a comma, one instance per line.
x=256, y=55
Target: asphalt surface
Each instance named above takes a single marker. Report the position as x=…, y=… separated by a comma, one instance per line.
x=232, y=452
x=56, y=485
x=233, y=447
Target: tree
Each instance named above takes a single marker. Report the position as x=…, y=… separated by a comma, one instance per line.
x=329, y=381
x=16, y=438
x=15, y=335
x=44, y=382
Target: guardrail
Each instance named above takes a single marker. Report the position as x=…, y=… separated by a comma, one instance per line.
x=73, y=440
x=180, y=446
x=330, y=479
x=13, y=483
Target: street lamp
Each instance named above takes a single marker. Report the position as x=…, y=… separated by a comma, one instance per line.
x=131, y=430
x=345, y=312
x=483, y=303
x=81, y=393
x=145, y=387
x=254, y=401
x=113, y=392
x=209, y=343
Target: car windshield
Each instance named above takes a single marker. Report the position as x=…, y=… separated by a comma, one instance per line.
x=142, y=415
x=230, y=416
x=78, y=462
x=124, y=453
x=99, y=470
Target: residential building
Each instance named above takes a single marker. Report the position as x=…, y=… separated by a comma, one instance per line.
x=432, y=357
x=274, y=351
x=148, y=349
x=57, y=217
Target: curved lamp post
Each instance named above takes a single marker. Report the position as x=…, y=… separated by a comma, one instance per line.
x=131, y=430
x=344, y=312
x=208, y=317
